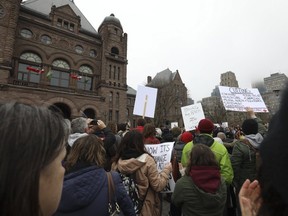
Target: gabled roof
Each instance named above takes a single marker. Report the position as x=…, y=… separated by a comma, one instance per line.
x=162, y=78
x=131, y=91
x=44, y=7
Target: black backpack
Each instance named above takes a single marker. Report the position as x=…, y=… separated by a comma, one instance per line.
x=132, y=190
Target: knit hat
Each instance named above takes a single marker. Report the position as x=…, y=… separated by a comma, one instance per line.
x=186, y=137
x=205, y=126
x=250, y=126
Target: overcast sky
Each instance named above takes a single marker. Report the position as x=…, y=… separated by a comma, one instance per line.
x=199, y=38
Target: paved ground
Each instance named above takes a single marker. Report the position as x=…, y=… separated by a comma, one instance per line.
x=165, y=207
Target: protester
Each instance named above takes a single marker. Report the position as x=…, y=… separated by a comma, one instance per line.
x=202, y=190
x=132, y=157
x=206, y=127
x=243, y=158
x=79, y=128
x=31, y=152
x=269, y=195
x=185, y=138
x=109, y=140
x=123, y=128
x=114, y=129
x=149, y=134
x=140, y=125
x=85, y=189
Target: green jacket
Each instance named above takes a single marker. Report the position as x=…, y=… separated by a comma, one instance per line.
x=196, y=202
x=243, y=160
x=219, y=150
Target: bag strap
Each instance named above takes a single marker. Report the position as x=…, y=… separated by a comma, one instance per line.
x=246, y=142
x=111, y=187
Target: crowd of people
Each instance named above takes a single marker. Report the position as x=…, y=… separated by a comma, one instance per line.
x=54, y=166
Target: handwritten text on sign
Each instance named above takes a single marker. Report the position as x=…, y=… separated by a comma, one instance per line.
x=192, y=114
x=162, y=155
x=238, y=99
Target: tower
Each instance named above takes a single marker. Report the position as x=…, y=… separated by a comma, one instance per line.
x=114, y=67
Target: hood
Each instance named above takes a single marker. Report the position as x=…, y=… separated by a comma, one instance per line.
x=205, y=139
x=80, y=188
x=73, y=137
x=207, y=178
x=131, y=165
x=255, y=139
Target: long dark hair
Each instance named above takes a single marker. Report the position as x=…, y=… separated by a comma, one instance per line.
x=201, y=155
x=31, y=138
x=132, y=141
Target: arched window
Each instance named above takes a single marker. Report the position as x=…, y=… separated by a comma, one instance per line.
x=85, y=82
x=30, y=67
x=115, y=50
x=60, y=73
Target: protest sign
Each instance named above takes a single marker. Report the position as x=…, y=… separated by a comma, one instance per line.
x=191, y=115
x=162, y=155
x=174, y=124
x=239, y=99
x=145, y=101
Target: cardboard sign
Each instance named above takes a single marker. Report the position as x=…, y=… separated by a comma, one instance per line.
x=162, y=154
x=145, y=101
x=191, y=115
x=238, y=99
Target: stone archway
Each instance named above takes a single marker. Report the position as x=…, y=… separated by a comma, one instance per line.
x=65, y=105
x=63, y=108
x=90, y=113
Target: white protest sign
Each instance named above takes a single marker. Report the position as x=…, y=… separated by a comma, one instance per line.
x=191, y=115
x=145, y=101
x=238, y=99
x=174, y=124
x=162, y=155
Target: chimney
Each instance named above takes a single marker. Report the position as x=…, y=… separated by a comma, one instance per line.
x=149, y=79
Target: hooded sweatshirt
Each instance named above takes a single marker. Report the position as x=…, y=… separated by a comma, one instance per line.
x=203, y=192
x=85, y=193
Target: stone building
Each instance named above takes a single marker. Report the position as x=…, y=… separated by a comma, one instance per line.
x=213, y=107
x=228, y=79
x=274, y=84
x=171, y=96
x=51, y=55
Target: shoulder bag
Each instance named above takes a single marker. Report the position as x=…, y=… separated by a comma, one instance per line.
x=113, y=207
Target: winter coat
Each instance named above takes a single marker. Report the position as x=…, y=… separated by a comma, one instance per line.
x=147, y=178
x=219, y=150
x=85, y=193
x=195, y=201
x=178, y=148
x=243, y=160
x=110, y=145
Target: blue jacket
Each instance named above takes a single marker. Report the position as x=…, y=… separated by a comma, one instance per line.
x=85, y=193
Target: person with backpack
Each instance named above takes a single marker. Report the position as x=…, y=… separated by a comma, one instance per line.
x=244, y=156
x=86, y=183
x=133, y=159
